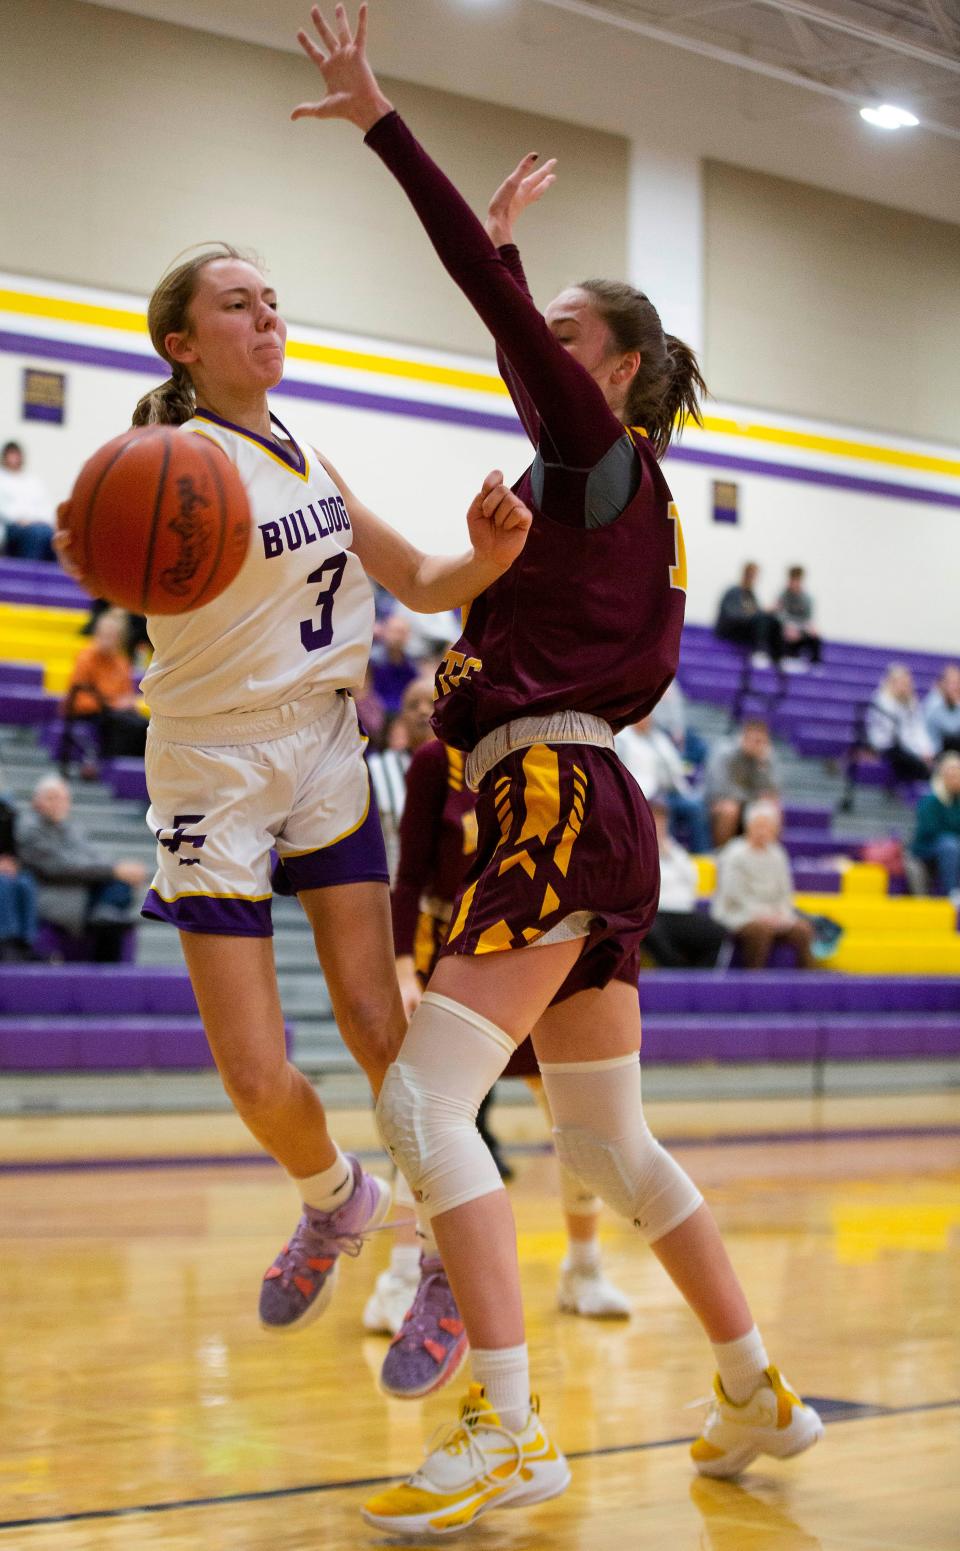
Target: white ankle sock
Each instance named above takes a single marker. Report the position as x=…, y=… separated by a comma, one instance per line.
x=405, y=1261
x=328, y=1189
x=740, y=1364
x=505, y=1375
x=584, y=1255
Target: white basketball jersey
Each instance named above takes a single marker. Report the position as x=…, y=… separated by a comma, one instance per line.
x=297, y=619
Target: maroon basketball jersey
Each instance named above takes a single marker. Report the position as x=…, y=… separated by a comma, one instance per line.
x=587, y=619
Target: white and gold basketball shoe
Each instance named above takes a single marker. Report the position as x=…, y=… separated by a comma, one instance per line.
x=773, y=1421
x=478, y=1465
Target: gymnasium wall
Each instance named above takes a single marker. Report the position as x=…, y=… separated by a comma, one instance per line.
x=124, y=141
x=875, y=518
x=819, y=304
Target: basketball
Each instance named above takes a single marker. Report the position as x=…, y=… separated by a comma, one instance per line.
x=159, y=520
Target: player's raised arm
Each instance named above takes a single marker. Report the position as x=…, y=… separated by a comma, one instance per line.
x=568, y=401
x=497, y=523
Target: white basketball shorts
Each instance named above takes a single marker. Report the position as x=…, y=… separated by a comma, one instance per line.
x=236, y=822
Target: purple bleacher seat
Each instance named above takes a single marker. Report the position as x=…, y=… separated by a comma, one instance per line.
x=24, y=675
x=39, y=582
x=105, y=1044
x=126, y=778
x=24, y=706
x=58, y=989
x=811, y=878
x=807, y=816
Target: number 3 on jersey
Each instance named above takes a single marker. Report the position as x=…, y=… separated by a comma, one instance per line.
x=316, y=636
x=678, y=571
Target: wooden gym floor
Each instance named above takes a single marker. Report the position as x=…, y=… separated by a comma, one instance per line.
x=141, y=1406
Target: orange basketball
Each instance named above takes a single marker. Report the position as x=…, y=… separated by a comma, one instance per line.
x=159, y=521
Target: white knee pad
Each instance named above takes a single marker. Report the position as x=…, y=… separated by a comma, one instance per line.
x=577, y=1199
x=602, y=1137
x=427, y=1110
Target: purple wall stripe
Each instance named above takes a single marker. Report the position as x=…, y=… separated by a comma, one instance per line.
x=808, y=476
x=452, y=414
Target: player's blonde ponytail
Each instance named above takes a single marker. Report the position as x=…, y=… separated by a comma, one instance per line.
x=668, y=386
x=168, y=313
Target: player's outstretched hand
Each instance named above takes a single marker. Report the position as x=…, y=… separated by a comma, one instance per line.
x=498, y=522
x=341, y=58
x=526, y=184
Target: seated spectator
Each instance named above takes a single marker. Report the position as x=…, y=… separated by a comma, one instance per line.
x=18, y=894
x=390, y=666
x=896, y=727
x=681, y=937
x=941, y=710
x=754, y=898
x=652, y=759
x=101, y=689
x=743, y=621
x=26, y=510
x=406, y=733
x=670, y=715
x=79, y=890
x=135, y=641
x=795, y=612
x=740, y=770
x=936, y=839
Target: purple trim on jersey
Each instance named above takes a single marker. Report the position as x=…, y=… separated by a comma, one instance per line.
x=357, y=858
x=219, y=917
x=297, y=462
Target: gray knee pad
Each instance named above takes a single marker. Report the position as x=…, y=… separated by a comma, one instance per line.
x=640, y=1181
x=434, y=1141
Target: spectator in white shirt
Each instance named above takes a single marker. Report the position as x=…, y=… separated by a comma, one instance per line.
x=26, y=510
x=897, y=728
x=681, y=937
x=652, y=758
x=754, y=898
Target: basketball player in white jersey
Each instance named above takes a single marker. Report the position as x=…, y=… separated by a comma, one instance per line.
x=254, y=747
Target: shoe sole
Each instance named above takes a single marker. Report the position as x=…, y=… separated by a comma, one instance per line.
x=567, y=1306
x=322, y=1301
x=419, y=1526
x=737, y=1461
x=446, y=1375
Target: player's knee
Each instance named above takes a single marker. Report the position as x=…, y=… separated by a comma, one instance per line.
x=432, y=1137
x=256, y=1085
x=371, y=1020
x=634, y=1175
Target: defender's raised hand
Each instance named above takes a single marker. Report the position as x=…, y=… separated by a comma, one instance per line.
x=352, y=91
x=526, y=184
x=498, y=522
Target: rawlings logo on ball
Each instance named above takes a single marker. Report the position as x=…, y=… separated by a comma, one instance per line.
x=193, y=530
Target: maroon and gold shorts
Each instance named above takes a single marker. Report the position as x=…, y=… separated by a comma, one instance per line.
x=565, y=843
x=431, y=934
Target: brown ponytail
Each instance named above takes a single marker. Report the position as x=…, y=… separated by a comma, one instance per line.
x=668, y=386
x=168, y=313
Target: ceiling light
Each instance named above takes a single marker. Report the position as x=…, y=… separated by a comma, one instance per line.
x=886, y=116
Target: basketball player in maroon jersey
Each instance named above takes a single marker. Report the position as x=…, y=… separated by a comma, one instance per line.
x=580, y=638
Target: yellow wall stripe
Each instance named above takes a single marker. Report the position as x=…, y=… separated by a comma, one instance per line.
x=28, y=304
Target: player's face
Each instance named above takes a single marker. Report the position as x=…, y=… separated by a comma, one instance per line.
x=577, y=325
x=236, y=337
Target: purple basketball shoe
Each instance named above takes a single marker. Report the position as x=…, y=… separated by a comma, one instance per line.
x=431, y=1344
x=300, y=1283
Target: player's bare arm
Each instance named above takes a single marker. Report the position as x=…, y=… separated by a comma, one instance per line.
x=497, y=523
